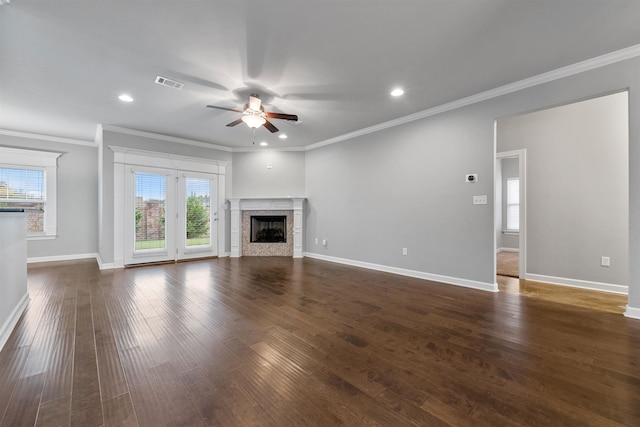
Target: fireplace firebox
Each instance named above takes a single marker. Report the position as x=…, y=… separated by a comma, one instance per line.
x=268, y=229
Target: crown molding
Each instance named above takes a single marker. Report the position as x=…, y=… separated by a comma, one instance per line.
x=570, y=70
x=253, y=150
x=49, y=138
x=167, y=138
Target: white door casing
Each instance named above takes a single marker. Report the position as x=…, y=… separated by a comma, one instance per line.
x=126, y=159
x=521, y=155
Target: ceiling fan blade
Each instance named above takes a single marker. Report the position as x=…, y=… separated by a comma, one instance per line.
x=282, y=116
x=270, y=126
x=235, y=122
x=254, y=103
x=224, y=108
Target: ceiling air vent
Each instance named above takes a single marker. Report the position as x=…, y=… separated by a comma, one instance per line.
x=168, y=82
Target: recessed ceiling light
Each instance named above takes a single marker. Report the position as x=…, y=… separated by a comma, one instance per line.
x=397, y=92
x=126, y=98
x=283, y=136
x=264, y=144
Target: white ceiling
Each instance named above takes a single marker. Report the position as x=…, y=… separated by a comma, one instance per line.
x=331, y=62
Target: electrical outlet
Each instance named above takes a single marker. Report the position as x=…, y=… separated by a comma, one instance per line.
x=605, y=261
x=324, y=242
x=404, y=251
x=316, y=240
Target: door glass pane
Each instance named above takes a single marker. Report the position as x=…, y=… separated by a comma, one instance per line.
x=150, y=206
x=198, y=208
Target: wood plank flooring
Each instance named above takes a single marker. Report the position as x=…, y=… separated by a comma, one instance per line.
x=507, y=264
x=302, y=342
x=595, y=300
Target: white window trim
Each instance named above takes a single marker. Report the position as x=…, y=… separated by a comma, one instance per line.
x=47, y=161
x=510, y=180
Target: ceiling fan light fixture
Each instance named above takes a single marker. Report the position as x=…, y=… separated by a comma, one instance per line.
x=253, y=121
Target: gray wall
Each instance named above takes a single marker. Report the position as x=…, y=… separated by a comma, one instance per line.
x=403, y=187
x=252, y=178
x=77, y=199
x=577, y=187
x=106, y=250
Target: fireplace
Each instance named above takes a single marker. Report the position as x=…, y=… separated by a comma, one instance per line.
x=268, y=229
x=244, y=239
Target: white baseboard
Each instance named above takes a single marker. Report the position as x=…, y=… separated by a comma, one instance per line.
x=583, y=284
x=12, y=321
x=104, y=265
x=112, y=265
x=491, y=287
x=71, y=257
x=632, y=312
x=508, y=250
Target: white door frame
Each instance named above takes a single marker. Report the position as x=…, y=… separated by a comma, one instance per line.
x=183, y=252
x=149, y=255
x=521, y=155
x=124, y=156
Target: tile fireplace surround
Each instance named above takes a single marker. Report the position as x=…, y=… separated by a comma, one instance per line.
x=293, y=205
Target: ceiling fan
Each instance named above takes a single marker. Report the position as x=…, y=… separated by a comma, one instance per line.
x=254, y=115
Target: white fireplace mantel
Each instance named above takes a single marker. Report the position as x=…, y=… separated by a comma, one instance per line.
x=237, y=205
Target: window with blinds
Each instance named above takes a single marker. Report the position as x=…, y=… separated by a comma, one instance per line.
x=22, y=188
x=513, y=204
x=198, y=211
x=150, y=207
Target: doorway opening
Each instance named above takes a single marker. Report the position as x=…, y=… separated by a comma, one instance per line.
x=573, y=195
x=511, y=214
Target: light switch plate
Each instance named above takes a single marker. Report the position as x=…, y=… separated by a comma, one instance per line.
x=480, y=200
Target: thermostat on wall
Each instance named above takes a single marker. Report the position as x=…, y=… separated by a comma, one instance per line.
x=471, y=177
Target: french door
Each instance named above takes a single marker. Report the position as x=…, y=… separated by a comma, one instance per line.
x=197, y=215
x=169, y=215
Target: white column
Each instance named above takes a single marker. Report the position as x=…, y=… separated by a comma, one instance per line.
x=298, y=219
x=118, y=214
x=221, y=211
x=236, y=228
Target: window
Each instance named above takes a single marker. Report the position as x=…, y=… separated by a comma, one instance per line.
x=150, y=206
x=198, y=211
x=513, y=204
x=25, y=189
x=28, y=181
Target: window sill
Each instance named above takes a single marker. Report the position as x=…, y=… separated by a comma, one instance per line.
x=511, y=232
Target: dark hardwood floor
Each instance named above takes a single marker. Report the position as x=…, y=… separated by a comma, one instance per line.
x=284, y=342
